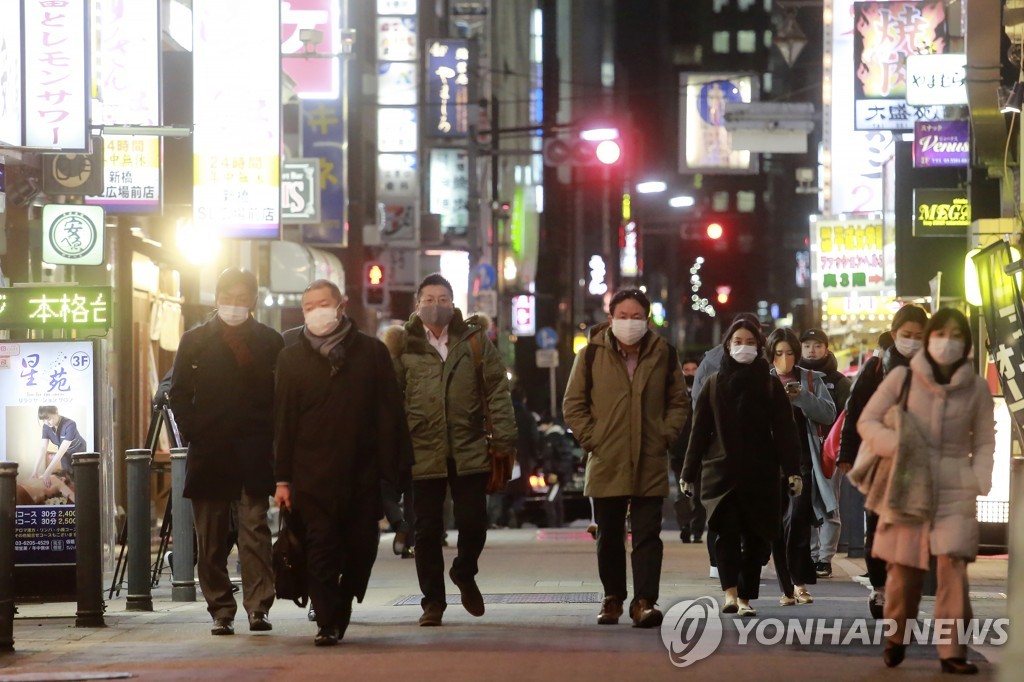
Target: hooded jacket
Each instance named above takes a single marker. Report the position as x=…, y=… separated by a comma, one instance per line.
x=444, y=401
x=626, y=427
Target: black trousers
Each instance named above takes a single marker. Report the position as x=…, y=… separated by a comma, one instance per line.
x=876, y=567
x=469, y=503
x=645, y=521
x=398, y=508
x=791, y=550
x=739, y=550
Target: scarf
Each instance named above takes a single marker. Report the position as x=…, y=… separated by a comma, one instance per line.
x=330, y=346
x=237, y=339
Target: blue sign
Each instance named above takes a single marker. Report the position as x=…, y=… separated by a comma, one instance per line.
x=547, y=338
x=486, y=276
x=44, y=534
x=447, y=88
x=323, y=137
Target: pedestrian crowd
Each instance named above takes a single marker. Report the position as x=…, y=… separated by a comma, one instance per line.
x=422, y=427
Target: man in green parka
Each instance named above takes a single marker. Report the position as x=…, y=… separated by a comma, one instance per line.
x=452, y=378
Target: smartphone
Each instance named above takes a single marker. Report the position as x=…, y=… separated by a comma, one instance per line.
x=793, y=387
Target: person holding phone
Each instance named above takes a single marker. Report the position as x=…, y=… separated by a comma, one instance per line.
x=813, y=409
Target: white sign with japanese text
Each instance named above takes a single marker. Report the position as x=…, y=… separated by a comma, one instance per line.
x=126, y=62
x=10, y=74
x=317, y=77
x=237, y=134
x=72, y=234
x=449, y=188
x=937, y=79
x=56, y=74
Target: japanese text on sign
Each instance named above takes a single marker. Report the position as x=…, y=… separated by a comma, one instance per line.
x=846, y=255
x=55, y=307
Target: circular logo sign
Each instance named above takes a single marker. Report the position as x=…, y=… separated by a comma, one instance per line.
x=692, y=631
x=73, y=234
x=72, y=170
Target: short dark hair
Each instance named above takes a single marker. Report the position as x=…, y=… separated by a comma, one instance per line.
x=690, y=361
x=435, y=279
x=939, y=320
x=46, y=411
x=751, y=327
x=325, y=284
x=624, y=294
x=909, y=313
x=235, y=276
x=751, y=317
x=778, y=336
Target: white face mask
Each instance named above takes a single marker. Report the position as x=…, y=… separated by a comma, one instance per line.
x=629, y=332
x=232, y=315
x=322, y=321
x=907, y=347
x=743, y=354
x=945, y=351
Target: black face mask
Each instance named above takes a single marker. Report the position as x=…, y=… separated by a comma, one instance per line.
x=689, y=380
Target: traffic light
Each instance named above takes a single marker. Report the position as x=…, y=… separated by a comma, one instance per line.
x=714, y=230
x=595, y=147
x=608, y=152
x=723, y=294
x=374, y=286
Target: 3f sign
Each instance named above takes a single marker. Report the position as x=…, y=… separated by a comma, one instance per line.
x=300, y=191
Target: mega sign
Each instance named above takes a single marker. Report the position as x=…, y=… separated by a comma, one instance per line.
x=941, y=213
x=55, y=307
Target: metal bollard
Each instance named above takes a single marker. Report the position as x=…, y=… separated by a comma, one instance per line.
x=88, y=540
x=8, y=475
x=140, y=588
x=183, y=583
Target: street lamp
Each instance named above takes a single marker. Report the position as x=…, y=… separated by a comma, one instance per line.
x=651, y=187
x=681, y=201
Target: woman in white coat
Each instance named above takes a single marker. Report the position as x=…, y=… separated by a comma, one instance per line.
x=951, y=406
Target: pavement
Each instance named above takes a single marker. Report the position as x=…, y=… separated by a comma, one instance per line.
x=545, y=630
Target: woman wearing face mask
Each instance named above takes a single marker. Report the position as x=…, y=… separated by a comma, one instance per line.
x=743, y=432
x=952, y=408
x=907, y=330
x=812, y=408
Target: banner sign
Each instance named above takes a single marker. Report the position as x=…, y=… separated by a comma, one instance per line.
x=300, y=191
x=706, y=144
x=237, y=135
x=323, y=135
x=56, y=307
x=942, y=144
x=449, y=189
x=447, y=88
x=1003, y=312
x=72, y=234
x=885, y=34
x=131, y=174
x=846, y=256
x=941, y=213
x=126, y=62
x=58, y=375
x=937, y=79
x=10, y=74
x=316, y=77
x=56, y=67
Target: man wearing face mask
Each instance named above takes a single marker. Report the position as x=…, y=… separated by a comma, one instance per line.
x=627, y=404
x=339, y=432
x=907, y=328
x=222, y=395
x=452, y=377
x=690, y=513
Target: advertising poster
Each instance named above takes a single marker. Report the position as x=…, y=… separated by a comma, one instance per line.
x=323, y=138
x=448, y=88
x=846, y=257
x=707, y=145
x=319, y=77
x=449, y=189
x=941, y=213
x=10, y=74
x=942, y=144
x=47, y=413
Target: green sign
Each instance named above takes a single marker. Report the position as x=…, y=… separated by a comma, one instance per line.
x=56, y=307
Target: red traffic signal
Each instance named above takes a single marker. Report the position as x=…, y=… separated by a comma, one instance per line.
x=374, y=286
x=608, y=152
x=715, y=230
x=723, y=294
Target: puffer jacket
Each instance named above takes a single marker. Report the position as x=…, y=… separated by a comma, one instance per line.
x=443, y=399
x=626, y=427
x=958, y=426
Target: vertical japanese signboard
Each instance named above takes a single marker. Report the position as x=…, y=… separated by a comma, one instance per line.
x=56, y=68
x=126, y=76
x=449, y=189
x=237, y=118
x=1004, y=315
x=47, y=395
x=885, y=34
x=846, y=257
x=10, y=74
x=447, y=88
x=316, y=76
x=323, y=138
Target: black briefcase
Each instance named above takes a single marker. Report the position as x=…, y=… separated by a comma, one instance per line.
x=289, y=553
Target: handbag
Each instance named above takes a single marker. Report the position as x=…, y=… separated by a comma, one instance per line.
x=909, y=496
x=830, y=446
x=289, y=559
x=871, y=473
x=502, y=461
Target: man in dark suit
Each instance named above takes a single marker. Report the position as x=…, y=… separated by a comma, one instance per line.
x=339, y=432
x=222, y=394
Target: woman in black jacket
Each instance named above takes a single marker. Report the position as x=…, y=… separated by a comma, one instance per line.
x=907, y=330
x=743, y=432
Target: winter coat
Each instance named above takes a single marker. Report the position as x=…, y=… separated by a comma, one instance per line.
x=709, y=364
x=557, y=454
x=626, y=427
x=339, y=433
x=838, y=384
x=225, y=411
x=815, y=404
x=958, y=426
x=443, y=400
x=865, y=385
x=739, y=442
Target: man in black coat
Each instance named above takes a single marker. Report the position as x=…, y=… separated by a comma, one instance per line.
x=340, y=431
x=222, y=394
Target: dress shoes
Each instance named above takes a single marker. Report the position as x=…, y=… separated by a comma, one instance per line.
x=223, y=626
x=326, y=637
x=258, y=622
x=472, y=600
x=611, y=611
x=644, y=614
x=894, y=654
x=958, y=666
x=432, y=614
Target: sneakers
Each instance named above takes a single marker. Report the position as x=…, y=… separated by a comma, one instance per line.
x=611, y=611
x=223, y=626
x=803, y=597
x=644, y=614
x=823, y=569
x=432, y=614
x=786, y=600
x=258, y=622
x=713, y=573
x=472, y=600
x=876, y=603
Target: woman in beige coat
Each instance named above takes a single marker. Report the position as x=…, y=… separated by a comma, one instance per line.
x=952, y=408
